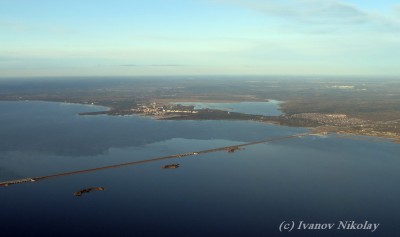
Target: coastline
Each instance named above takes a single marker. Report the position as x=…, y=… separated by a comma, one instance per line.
x=282, y=120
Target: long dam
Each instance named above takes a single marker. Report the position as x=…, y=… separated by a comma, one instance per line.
x=181, y=155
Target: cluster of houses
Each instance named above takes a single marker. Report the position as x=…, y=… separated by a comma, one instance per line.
x=158, y=109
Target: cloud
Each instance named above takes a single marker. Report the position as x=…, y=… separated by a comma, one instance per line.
x=26, y=28
x=396, y=10
x=306, y=10
x=15, y=26
x=321, y=16
x=151, y=65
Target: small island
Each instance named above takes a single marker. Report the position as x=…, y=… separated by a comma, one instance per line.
x=88, y=190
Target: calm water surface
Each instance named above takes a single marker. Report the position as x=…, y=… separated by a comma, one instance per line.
x=270, y=108
x=247, y=193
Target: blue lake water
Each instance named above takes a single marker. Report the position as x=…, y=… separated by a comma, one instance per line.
x=270, y=108
x=246, y=193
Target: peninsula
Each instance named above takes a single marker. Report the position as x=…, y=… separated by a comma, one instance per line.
x=357, y=106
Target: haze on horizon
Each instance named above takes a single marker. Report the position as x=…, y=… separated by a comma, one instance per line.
x=199, y=37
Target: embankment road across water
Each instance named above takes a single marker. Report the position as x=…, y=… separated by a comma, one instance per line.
x=227, y=148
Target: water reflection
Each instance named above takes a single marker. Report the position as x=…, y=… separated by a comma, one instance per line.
x=245, y=193
x=56, y=129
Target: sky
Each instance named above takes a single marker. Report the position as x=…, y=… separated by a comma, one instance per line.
x=199, y=37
